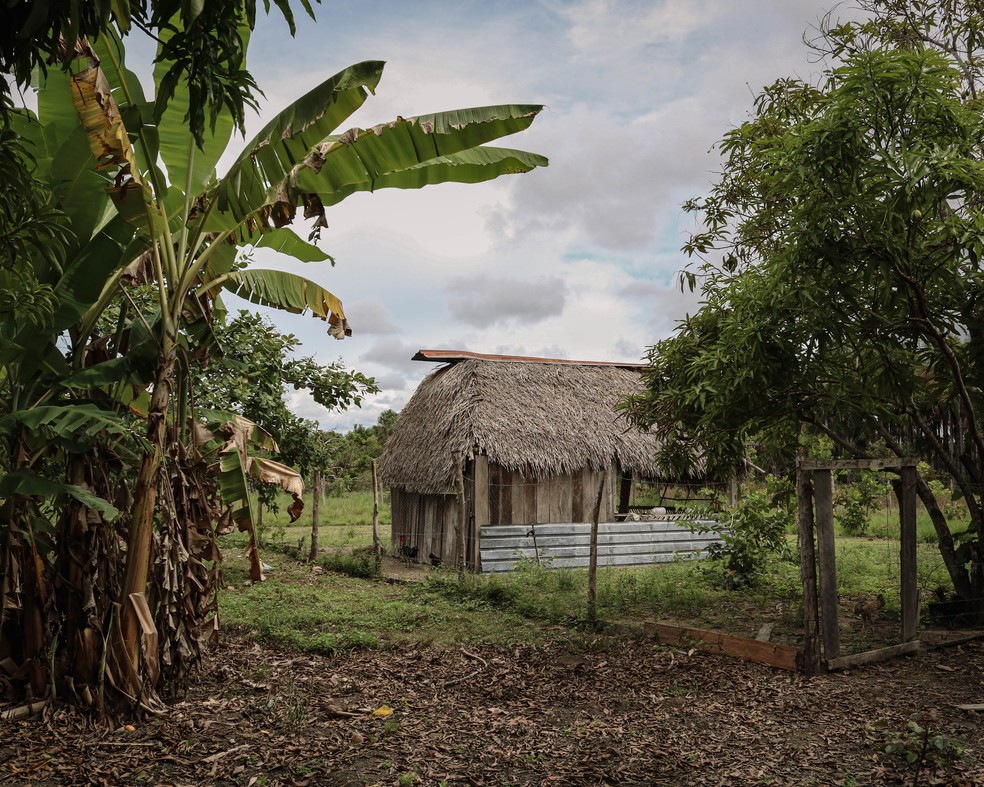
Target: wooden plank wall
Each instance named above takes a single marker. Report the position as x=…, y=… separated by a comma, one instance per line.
x=512, y=499
x=426, y=522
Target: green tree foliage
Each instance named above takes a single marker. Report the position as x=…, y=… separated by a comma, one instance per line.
x=841, y=283
x=351, y=454
x=205, y=49
x=252, y=371
x=33, y=239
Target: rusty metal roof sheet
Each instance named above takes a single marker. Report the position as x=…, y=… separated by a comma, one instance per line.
x=453, y=356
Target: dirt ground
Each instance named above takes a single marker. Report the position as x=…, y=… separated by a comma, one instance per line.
x=592, y=711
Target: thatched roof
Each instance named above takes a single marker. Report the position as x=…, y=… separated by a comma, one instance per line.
x=540, y=417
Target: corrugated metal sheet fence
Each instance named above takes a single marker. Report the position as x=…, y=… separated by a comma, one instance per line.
x=567, y=545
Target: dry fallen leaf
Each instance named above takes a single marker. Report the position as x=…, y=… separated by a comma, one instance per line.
x=383, y=710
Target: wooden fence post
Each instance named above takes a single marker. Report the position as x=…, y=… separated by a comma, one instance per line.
x=909, y=591
x=376, y=494
x=824, y=496
x=461, y=522
x=315, y=514
x=593, y=558
x=808, y=573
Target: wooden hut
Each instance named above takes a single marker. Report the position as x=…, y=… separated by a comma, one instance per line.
x=498, y=446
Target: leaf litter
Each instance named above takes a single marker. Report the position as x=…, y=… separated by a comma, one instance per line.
x=608, y=710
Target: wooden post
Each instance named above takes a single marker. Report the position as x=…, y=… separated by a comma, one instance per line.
x=824, y=496
x=733, y=491
x=536, y=547
x=462, y=516
x=593, y=558
x=376, y=544
x=482, y=512
x=909, y=594
x=808, y=574
x=315, y=514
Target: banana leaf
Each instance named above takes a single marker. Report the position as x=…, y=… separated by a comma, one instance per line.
x=26, y=482
x=289, y=292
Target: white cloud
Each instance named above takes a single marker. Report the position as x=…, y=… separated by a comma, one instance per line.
x=491, y=300
x=392, y=354
x=371, y=317
x=606, y=29
x=573, y=261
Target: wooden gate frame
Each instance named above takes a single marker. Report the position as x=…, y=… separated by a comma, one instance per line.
x=814, y=484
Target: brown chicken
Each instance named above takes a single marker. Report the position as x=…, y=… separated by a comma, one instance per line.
x=867, y=608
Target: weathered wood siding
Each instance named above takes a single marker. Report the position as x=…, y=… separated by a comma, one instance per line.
x=512, y=499
x=427, y=522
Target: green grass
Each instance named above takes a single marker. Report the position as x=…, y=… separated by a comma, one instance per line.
x=310, y=608
x=886, y=525
x=316, y=609
x=354, y=508
x=329, y=608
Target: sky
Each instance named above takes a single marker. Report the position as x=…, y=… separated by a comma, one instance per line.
x=578, y=260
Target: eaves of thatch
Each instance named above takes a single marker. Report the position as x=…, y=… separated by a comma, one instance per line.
x=539, y=418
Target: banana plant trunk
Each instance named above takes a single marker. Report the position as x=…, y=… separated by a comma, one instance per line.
x=140, y=536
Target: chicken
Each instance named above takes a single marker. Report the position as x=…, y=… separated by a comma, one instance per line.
x=867, y=607
x=407, y=552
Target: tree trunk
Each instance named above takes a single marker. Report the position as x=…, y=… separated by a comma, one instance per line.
x=141, y=531
x=808, y=572
x=962, y=584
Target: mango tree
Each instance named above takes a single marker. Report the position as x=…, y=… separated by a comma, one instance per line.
x=841, y=280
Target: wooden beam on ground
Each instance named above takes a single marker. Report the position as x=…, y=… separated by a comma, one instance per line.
x=873, y=656
x=808, y=574
x=946, y=643
x=774, y=655
x=824, y=495
x=909, y=595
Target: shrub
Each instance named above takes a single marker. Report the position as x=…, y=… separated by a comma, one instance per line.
x=754, y=534
x=853, y=519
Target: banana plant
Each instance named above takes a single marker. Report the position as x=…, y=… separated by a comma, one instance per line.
x=159, y=212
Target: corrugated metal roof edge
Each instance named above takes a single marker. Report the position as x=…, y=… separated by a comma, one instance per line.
x=454, y=356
